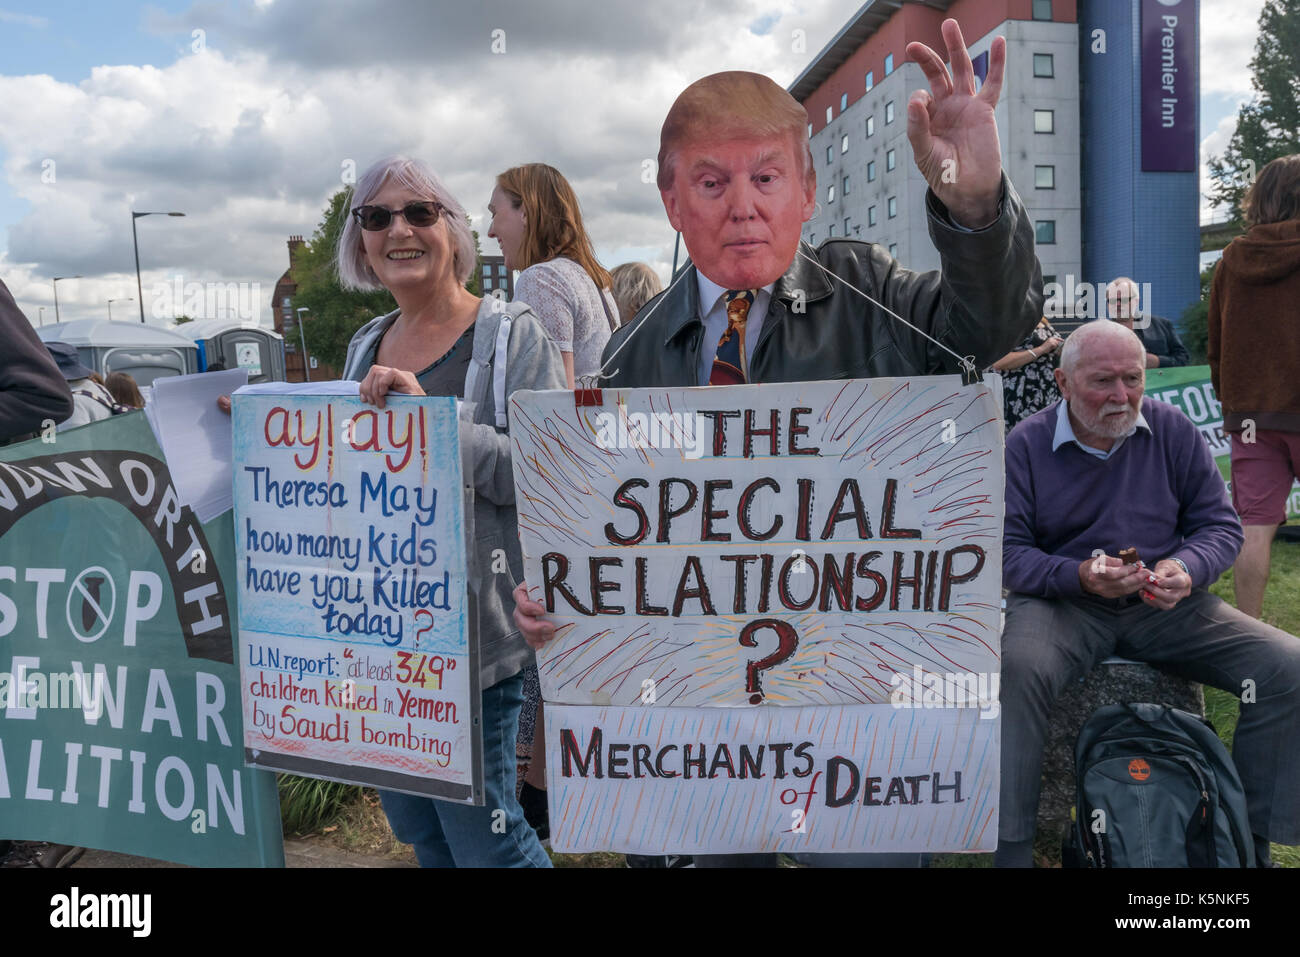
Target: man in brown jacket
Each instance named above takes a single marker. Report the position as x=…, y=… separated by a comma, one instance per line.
x=1254, y=354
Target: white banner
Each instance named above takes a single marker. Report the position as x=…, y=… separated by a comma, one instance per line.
x=870, y=778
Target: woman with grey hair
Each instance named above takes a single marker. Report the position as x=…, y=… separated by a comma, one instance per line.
x=635, y=284
x=406, y=233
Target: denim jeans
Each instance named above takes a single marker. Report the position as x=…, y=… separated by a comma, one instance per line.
x=454, y=835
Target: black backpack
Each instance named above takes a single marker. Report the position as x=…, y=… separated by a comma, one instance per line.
x=1154, y=787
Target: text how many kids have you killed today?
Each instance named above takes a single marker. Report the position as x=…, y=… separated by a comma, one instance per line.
x=350, y=604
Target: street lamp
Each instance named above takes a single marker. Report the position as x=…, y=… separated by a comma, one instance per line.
x=136, y=242
x=56, y=295
x=110, y=306
x=302, y=336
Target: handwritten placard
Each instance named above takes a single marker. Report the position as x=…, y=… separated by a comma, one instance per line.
x=777, y=613
x=797, y=544
x=355, y=646
x=721, y=780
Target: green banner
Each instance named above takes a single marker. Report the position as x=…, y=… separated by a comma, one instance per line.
x=121, y=726
x=1189, y=389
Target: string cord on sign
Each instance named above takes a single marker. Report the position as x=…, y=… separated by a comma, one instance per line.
x=967, y=363
x=591, y=379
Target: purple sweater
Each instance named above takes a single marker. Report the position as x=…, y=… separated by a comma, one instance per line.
x=1160, y=493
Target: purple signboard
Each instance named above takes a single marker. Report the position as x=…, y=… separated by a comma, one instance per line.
x=1169, y=85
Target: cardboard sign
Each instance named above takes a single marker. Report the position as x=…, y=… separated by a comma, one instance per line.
x=121, y=722
x=831, y=549
x=869, y=778
x=355, y=646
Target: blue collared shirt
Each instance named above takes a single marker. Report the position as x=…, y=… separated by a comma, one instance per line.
x=1065, y=433
x=713, y=313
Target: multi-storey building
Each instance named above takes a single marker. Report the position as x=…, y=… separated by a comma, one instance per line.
x=1070, y=121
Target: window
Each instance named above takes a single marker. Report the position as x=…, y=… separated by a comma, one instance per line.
x=844, y=189
x=1043, y=65
x=831, y=234
x=871, y=215
x=501, y=270
x=1042, y=9
x=829, y=114
x=1045, y=232
x=844, y=143
x=830, y=153
x=893, y=207
x=809, y=131
x=487, y=282
x=1045, y=177
x=1049, y=280
x=893, y=250
x=285, y=301
x=844, y=102
x=1044, y=121
x=846, y=225
x=871, y=126
x=871, y=79
x=889, y=64
x=889, y=112
x=830, y=193
x=889, y=160
x=871, y=171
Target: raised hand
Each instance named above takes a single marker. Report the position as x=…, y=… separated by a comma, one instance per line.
x=952, y=129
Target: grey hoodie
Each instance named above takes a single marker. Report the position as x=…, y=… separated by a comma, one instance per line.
x=532, y=362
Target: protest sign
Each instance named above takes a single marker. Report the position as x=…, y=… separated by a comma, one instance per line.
x=722, y=780
x=832, y=549
x=357, y=658
x=1189, y=388
x=121, y=723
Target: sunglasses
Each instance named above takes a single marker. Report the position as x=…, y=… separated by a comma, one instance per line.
x=375, y=218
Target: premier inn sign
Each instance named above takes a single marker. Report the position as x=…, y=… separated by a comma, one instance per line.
x=1169, y=85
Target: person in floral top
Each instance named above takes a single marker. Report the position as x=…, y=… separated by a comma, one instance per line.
x=1028, y=374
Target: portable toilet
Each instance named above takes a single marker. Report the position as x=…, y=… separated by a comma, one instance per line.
x=237, y=346
x=145, y=352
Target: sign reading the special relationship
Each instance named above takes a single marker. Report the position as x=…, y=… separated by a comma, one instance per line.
x=777, y=613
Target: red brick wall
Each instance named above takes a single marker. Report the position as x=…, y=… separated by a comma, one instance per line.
x=921, y=24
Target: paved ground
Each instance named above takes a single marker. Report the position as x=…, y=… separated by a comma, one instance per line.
x=297, y=853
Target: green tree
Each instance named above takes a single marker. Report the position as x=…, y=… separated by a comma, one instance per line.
x=181, y=320
x=1195, y=321
x=473, y=285
x=335, y=313
x=1269, y=125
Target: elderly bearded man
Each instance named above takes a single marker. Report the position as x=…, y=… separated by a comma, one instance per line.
x=1105, y=469
x=736, y=177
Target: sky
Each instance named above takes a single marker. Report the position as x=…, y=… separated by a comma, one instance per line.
x=247, y=115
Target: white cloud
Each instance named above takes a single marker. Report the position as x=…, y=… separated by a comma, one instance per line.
x=1229, y=29
x=26, y=20
x=248, y=136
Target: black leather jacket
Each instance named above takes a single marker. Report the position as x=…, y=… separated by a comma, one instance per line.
x=986, y=298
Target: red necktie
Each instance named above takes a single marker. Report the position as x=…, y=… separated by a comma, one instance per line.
x=729, y=365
